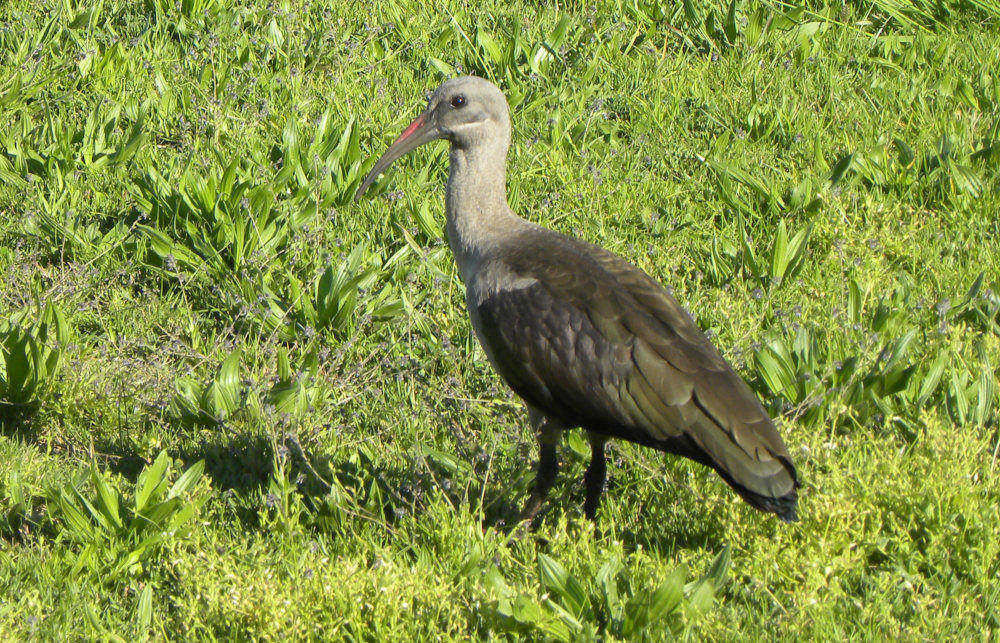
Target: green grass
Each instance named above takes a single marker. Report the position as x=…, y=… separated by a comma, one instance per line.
x=182, y=270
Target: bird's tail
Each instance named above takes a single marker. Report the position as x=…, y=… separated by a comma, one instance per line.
x=784, y=507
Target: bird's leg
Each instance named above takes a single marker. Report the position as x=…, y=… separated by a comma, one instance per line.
x=595, y=476
x=548, y=433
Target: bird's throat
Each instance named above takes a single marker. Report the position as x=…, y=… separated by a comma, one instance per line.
x=476, y=204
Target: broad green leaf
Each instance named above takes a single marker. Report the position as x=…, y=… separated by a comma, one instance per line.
x=750, y=258
x=930, y=381
x=795, y=252
x=144, y=609
x=855, y=302
x=107, y=497
x=136, y=139
x=575, y=597
x=225, y=394
x=720, y=567
x=92, y=512
x=448, y=462
x=284, y=368
x=730, y=28
x=151, y=481
x=691, y=14
x=552, y=574
x=840, y=169
x=899, y=349
x=667, y=597
x=275, y=36
x=558, y=35
x=780, y=256
x=154, y=515
x=71, y=513
x=568, y=619
x=576, y=442
x=702, y=597
x=703, y=593
x=183, y=515
x=986, y=396
x=607, y=581
x=187, y=479
x=777, y=372
x=93, y=618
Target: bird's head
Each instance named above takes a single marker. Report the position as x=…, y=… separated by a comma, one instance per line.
x=467, y=111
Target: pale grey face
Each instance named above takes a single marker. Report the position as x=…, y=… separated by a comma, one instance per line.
x=466, y=111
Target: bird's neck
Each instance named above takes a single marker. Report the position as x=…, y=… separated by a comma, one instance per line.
x=476, y=203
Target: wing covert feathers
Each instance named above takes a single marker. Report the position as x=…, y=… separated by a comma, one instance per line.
x=590, y=339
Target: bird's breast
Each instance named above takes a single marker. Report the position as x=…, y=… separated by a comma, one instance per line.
x=491, y=277
x=484, y=280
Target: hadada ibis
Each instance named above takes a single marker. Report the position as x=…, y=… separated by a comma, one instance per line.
x=585, y=338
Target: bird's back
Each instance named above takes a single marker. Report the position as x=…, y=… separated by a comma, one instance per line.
x=593, y=341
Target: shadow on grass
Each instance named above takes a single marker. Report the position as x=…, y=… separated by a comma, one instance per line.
x=240, y=468
x=496, y=492
x=242, y=464
x=664, y=526
x=235, y=465
x=17, y=420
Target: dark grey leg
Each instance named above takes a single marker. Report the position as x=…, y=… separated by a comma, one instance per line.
x=548, y=433
x=595, y=476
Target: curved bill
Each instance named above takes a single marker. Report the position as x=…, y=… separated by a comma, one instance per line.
x=421, y=130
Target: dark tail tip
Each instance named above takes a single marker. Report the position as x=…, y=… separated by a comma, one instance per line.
x=784, y=507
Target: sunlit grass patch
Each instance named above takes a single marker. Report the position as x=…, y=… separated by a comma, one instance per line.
x=183, y=270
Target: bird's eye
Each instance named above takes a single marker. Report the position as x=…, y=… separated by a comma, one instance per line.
x=458, y=101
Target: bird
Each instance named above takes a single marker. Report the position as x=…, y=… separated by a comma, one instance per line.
x=585, y=338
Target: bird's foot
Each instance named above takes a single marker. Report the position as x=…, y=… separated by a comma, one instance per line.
x=523, y=531
x=588, y=527
x=519, y=532
x=526, y=519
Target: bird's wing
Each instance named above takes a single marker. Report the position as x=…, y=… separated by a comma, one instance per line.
x=582, y=334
